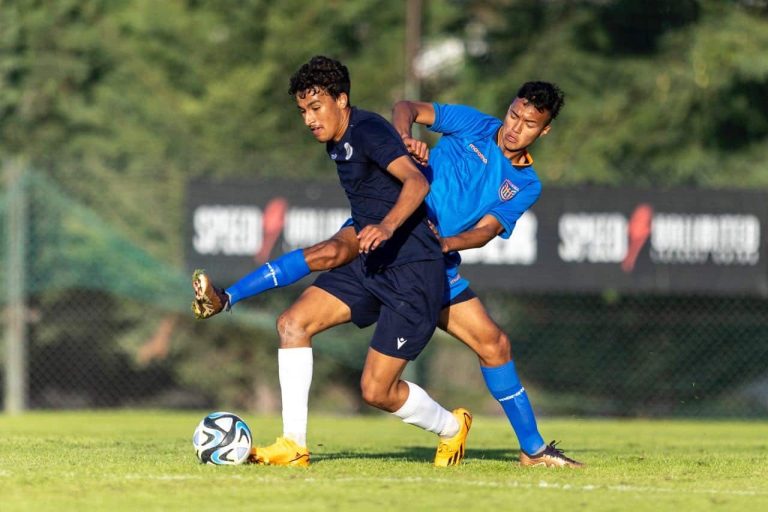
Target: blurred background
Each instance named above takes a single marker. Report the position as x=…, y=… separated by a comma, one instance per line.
x=117, y=117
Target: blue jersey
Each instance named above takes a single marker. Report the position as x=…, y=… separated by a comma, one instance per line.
x=470, y=177
x=362, y=156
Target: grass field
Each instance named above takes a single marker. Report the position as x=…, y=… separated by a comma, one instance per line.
x=143, y=460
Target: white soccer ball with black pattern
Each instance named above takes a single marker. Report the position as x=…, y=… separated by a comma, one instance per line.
x=222, y=438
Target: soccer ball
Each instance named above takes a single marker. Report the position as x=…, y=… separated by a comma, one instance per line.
x=222, y=438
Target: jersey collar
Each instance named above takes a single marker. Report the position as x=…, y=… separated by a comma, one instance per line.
x=527, y=162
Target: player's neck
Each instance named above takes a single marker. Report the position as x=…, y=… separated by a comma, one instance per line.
x=345, y=115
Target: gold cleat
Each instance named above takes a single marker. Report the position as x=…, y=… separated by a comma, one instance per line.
x=450, y=452
x=551, y=457
x=209, y=300
x=283, y=452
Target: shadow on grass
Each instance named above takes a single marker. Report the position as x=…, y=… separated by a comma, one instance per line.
x=416, y=454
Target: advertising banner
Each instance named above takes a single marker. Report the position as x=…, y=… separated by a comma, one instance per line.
x=581, y=239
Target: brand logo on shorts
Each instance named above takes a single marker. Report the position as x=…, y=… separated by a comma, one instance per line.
x=507, y=190
x=400, y=342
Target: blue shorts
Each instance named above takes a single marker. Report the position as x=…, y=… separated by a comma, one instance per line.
x=405, y=302
x=463, y=296
x=454, y=282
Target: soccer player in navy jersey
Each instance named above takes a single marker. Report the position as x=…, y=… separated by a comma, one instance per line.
x=482, y=181
x=396, y=280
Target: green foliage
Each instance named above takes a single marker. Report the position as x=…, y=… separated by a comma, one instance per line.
x=681, y=108
x=122, y=102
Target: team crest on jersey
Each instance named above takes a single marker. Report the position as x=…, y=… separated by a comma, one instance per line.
x=507, y=190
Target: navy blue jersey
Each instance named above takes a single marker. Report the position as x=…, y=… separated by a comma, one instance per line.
x=362, y=156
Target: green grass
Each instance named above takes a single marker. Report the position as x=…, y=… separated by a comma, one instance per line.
x=143, y=460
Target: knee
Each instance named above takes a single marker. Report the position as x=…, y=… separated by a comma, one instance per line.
x=496, y=351
x=375, y=394
x=291, y=329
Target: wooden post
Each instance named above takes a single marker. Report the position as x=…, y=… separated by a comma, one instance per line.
x=15, y=325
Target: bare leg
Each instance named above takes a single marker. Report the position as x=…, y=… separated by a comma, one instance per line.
x=470, y=323
x=338, y=250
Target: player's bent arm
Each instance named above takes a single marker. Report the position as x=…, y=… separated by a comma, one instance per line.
x=415, y=189
x=483, y=232
x=405, y=113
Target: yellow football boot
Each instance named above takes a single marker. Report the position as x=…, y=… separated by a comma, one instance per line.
x=283, y=452
x=450, y=452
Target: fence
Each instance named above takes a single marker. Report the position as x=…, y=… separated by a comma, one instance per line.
x=93, y=320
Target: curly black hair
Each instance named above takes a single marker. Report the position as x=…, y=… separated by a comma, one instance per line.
x=320, y=73
x=544, y=96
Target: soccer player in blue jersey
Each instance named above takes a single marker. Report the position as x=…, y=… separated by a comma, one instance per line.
x=482, y=181
x=398, y=285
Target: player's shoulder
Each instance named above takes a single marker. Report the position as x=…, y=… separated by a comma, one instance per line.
x=365, y=121
x=464, y=120
x=461, y=110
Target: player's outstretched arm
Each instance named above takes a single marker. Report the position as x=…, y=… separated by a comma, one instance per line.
x=415, y=189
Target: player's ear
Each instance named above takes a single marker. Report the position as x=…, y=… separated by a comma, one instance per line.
x=545, y=130
x=342, y=100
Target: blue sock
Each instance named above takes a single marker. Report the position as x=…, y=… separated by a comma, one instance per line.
x=285, y=270
x=504, y=385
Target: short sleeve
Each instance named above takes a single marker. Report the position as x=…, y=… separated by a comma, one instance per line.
x=508, y=212
x=463, y=120
x=379, y=142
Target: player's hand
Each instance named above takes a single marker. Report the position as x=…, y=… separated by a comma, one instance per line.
x=418, y=149
x=443, y=243
x=373, y=236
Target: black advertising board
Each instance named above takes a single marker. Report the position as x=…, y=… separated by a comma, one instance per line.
x=581, y=239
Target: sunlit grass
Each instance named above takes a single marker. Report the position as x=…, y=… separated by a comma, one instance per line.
x=143, y=460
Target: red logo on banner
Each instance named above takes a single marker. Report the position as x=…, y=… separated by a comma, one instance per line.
x=507, y=190
x=272, y=223
x=638, y=231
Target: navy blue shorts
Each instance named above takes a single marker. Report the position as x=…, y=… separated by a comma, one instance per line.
x=405, y=302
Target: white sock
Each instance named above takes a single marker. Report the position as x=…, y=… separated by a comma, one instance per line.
x=295, y=371
x=421, y=410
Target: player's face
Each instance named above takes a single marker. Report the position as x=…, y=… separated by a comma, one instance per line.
x=523, y=124
x=325, y=116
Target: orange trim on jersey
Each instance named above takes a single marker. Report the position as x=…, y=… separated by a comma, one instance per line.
x=528, y=160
